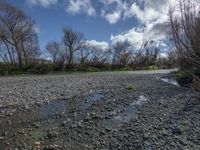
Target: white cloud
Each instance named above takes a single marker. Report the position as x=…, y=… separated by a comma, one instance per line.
x=152, y=17
x=133, y=36
x=100, y=45
x=151, y=11
x=137, y=35
x=112, y=10
x=43, y=3
x=78, y=6
x=113, y=18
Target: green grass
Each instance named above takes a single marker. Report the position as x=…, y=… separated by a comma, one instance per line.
x=153, y=67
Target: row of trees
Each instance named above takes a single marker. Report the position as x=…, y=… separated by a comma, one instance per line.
x=19, y=46
x=74, y=49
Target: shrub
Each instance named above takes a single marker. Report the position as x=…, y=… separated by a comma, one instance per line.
x=8, y=69
x=131, y=87
x=40, y=69
x=153, y=67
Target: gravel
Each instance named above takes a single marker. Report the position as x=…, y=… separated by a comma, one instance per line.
x=98, y=111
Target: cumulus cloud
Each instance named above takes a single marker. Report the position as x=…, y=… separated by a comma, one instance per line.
x=137, y=35
x=112, y=10
x=150, y=11
x=113, y=18
x=152, y=22
x=100, y=45
x=78, y=6
x=43, y=3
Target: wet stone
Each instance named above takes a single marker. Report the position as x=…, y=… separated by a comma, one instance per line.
x=176, y=130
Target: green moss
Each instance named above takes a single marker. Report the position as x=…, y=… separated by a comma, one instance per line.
x=131, y=86
x=182, y=74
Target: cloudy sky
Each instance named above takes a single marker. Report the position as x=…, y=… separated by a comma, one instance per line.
x=103, y=22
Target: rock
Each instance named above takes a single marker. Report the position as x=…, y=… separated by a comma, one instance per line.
x=145, y=137
x=5, y=134
x=36, y=125
x=63, y=124
x=9, y=122
x=80, y=124
x=1, y=138
x=108, y=129
x=176, y=130
x=52, y=147
x=183, y=142
x=52, y=134
x=102, y=133
x=164, y=133
x=37, y=145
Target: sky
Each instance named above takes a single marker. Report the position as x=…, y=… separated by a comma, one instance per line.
x=103, y=22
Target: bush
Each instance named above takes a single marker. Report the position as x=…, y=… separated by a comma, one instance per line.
x=153, y=67
x=85, y=68
x=131, y=87
x=8, y=69
x=58, y=67
x=39, y=69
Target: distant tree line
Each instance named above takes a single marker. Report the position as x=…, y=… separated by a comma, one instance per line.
x=19, y=49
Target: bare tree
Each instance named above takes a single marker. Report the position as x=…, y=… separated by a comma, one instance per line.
x=73, y=42
x=121, y=53
x=56, y=52
x=84, y=53
x=185, y=30
x=17, y=34
x=146, y=55
x=99, y=56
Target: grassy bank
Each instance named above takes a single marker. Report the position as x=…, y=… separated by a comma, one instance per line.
x=9, y=70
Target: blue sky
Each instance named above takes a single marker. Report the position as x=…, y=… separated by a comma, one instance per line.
x=103, y=22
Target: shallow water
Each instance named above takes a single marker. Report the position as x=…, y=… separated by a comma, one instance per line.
x=92, y=98
x=69, y=114
x=52, y=108
x=127, y=114
x=169, y=81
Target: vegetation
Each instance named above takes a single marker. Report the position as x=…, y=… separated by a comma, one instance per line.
x=185, y=30
x=131, y=87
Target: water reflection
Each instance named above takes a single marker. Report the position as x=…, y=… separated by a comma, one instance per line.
x=170, y=81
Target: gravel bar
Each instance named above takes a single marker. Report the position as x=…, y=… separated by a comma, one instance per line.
x=112, y=110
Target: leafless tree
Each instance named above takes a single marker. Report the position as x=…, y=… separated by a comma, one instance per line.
x=121, y=53
x=73, y=42
x=17, y=34
x=98, y=55
x=146, y=55
x=84, y=53
x=185, y=30
x=56, y=52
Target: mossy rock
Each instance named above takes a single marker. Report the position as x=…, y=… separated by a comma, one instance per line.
x=183, y=78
